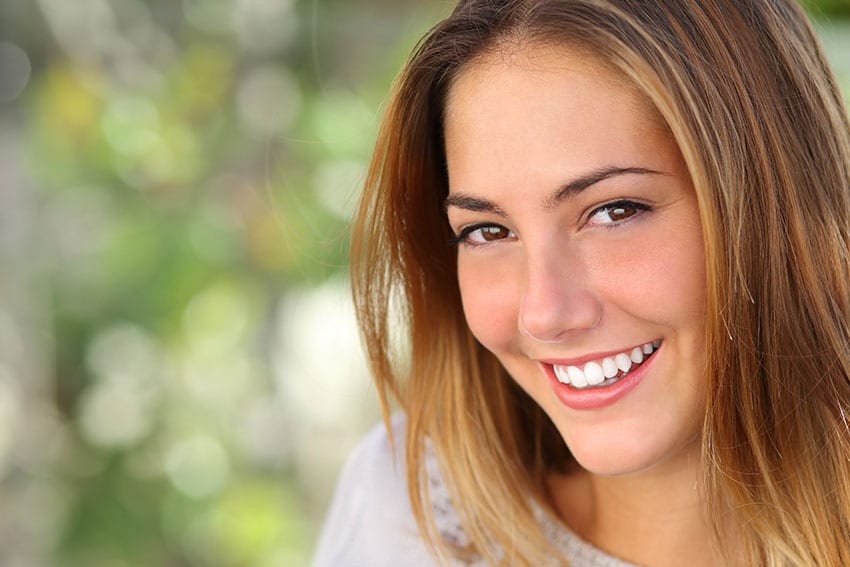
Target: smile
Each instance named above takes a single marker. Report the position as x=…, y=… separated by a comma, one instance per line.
x=607, y=370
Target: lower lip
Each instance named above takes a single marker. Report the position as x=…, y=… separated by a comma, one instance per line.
x=598, y=397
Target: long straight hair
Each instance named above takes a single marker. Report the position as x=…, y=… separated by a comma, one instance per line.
x=745, y=91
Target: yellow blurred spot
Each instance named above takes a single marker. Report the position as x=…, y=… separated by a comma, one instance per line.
x=217, y=318
x=248, y=522
x=67, y=104
x=203, y=80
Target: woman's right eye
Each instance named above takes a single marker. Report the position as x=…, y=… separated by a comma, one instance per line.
x=478, y=234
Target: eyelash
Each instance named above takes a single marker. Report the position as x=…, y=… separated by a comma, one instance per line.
x=463, y=236
x=619, y=204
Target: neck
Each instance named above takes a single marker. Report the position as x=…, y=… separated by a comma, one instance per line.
x=653, y=518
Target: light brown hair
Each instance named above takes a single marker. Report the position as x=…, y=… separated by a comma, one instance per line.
x=747, y=94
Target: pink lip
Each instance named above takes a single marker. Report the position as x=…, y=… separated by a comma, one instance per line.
x=580, y=361
x=596, y=397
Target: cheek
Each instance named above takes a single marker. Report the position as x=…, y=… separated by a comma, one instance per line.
x=680, y=275
x=662, y=280
x=663, y=283
x=490, y=302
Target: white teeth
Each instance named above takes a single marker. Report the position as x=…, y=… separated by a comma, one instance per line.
x=577, y=377
x=609, y=367
x=593, y=373
x=606, y=371
x=623, y=361
x=561, y=374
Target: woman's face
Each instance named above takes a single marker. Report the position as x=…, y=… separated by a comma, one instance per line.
x=580, y=253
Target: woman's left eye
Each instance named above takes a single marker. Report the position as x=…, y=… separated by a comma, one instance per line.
x=615, y=212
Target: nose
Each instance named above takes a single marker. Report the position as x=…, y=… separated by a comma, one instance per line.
x=557, y=300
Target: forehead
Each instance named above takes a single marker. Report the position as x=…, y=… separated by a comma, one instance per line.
x=534, y=112
x=523, y=63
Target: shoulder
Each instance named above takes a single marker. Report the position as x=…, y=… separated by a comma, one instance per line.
x=370, y=522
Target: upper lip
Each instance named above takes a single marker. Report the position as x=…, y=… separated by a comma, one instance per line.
x=579, y=361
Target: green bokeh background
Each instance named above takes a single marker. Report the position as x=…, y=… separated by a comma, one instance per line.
x=179, y=371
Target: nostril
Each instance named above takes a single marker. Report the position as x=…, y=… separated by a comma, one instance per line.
x=540, y=331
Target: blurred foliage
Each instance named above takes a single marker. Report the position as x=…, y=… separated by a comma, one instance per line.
x=189, y=166
x=828, y=8
x=179, y=172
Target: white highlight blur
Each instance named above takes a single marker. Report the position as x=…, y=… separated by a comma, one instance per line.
x=15, y=69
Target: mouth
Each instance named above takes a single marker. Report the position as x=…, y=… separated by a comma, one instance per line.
x=607, y=370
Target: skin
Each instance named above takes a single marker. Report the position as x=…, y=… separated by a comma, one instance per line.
x=560, y=274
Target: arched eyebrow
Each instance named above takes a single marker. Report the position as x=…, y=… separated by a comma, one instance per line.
x=478, y=205
x=576, y=186
x=566, y=191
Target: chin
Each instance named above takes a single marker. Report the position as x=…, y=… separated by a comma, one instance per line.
x=615, y=454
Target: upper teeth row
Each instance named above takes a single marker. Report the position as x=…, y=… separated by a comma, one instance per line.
x=597, y=371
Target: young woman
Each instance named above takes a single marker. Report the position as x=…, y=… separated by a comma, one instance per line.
x=601, y=264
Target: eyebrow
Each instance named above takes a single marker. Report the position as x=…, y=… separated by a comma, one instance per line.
x=566, y=191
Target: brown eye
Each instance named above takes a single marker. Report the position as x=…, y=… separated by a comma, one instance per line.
x=491, y=233
x=620, y=213
x=483, y=234
x=616, y=212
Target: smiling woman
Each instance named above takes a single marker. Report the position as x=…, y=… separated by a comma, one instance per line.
x=591, y=243
x=618, y=234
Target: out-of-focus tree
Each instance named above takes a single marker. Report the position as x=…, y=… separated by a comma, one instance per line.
x=179, y=374
x=828, y=8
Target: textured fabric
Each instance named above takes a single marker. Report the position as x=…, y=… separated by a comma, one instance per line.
x=370, y=524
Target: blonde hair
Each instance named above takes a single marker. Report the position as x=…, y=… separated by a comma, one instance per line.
x=747, y=94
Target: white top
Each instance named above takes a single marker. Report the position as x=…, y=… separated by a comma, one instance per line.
x=370, y=524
